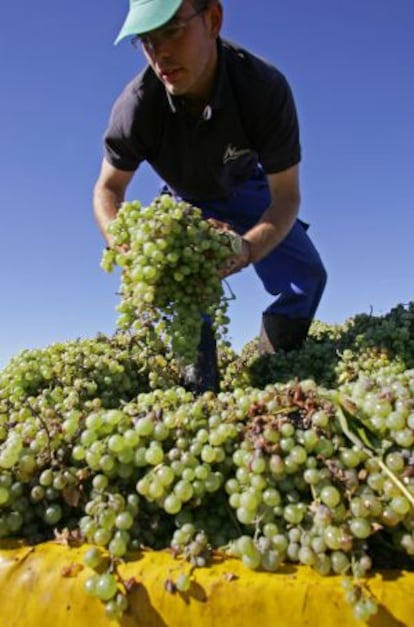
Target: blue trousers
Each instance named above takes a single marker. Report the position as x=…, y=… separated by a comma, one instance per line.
x=293, y=272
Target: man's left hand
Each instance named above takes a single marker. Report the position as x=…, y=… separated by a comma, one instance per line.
x=241, y=257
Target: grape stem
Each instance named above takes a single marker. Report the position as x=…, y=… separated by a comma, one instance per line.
x=44, y=425
x=257, y=522
x=396, y=481
x=232, y=295
x=355, y=439
x=233, y=518
x=313, y=492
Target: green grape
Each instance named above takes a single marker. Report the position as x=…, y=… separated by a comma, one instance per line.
x=53, y=514
x=112, y=610
x=298, y=455
x=258, y=465
x=340, y=562
x=4, y=495
x=306, y=556
x=293, y=514
x=46, y=478
x=165, y=475
x=102, y=536
x=154, y=455
x=252, y=560
x=400, y=505
x=330, y=496
x=292, y=551
x=92, y=557
x=249, y=500
x=90, y=585
x=144, y=427
x=105, y=587
x=270, y=530
x=271, y=497
x=124, y=520
x=395, y=461
x=78, y=453
x=100, y=482
x=183, y=490
x=116, y=443
x=332, y=537
x=350, y=458
x=311, y=476
x=271, y=561
x=360, y=528
x=117, y=547
x=172, y=504
x=245, y=516
x=208, y=454
x=323, y=564
x=107, y=519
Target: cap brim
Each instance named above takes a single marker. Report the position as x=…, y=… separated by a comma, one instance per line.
x=146, y=16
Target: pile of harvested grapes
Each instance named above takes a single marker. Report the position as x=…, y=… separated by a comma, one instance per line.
x=305, y=457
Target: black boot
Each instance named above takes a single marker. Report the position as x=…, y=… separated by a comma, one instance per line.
x=203, y=376
x=282, y=332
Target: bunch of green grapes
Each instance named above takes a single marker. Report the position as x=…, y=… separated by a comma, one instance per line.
x=332, y=354
x=316, y=359
x=369, y=342
x=170, y=259
x=69, y=373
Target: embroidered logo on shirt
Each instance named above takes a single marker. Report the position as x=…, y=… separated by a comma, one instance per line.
x=231, y=153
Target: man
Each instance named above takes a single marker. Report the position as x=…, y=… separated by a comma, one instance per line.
x=219, y=126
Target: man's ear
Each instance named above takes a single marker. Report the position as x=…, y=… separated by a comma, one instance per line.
x=214, y=17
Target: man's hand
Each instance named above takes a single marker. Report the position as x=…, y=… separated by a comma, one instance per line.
x=242, y=254
x=241, y=248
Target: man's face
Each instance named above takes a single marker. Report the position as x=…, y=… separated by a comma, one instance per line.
x=183, y=53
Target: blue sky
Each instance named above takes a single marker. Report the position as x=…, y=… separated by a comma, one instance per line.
x=350, y=67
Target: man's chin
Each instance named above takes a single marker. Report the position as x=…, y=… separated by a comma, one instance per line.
x=175, y=90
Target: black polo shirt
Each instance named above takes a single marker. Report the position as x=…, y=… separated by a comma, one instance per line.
x=250, y=119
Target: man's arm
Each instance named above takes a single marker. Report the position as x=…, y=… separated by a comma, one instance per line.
x=108, y=195
x=274, y=224
x=278, y=219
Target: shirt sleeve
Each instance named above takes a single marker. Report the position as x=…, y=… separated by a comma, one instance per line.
x=277, y=133
x=123, y=147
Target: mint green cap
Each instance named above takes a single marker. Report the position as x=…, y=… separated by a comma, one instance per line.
x=147, y=15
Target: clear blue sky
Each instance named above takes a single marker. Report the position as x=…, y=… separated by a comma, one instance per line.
x=350, y=66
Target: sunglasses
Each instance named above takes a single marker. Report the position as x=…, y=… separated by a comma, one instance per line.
x=171, y=32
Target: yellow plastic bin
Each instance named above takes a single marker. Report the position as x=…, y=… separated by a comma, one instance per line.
x=43, y=586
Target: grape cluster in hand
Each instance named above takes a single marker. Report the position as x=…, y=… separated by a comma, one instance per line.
x=171, y=260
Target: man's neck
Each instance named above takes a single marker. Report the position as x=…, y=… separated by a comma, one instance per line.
x=195, y=104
